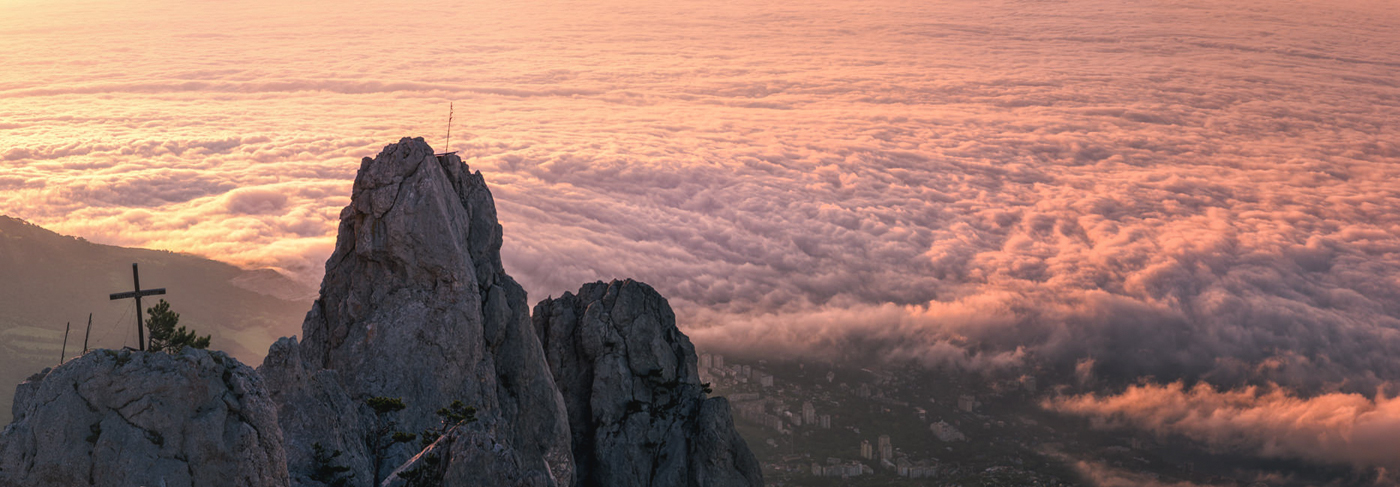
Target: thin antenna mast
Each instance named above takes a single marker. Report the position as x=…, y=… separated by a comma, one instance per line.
x=88, y=334
x=64, y=351
x=448, y=150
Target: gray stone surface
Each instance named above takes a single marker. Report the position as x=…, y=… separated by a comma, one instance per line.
x=469, y=456
x=415, y=305
x=637, y=410
x=122, y=418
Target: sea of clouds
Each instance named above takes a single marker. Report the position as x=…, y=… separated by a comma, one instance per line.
x=1104, y=192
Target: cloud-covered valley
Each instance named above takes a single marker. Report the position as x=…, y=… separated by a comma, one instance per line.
x=1099, y=191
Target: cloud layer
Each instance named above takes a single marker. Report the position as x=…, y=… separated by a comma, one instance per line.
x=1099, y=190
x=1333, y=428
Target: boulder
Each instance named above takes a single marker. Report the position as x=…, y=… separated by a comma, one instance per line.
x=124, y=418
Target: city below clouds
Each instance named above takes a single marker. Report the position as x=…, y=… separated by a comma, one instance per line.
x=1173, y=207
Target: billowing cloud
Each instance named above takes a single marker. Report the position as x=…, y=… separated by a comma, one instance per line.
x=1094, y=190
x=1101, y=475
x=1334, y=428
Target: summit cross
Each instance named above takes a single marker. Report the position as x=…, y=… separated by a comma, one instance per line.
x=136, y=280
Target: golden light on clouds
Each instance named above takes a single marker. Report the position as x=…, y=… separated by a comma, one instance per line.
x=1185, y=190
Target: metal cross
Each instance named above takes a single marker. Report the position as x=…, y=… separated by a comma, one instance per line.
x=136, y=279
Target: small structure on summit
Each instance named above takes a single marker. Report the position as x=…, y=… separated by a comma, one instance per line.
x=447, y=147
x=137, y=294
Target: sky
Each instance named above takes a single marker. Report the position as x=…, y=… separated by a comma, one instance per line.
x=1186, y=210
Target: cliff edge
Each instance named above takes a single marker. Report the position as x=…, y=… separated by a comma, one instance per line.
x=416, y=306
x=122, y=418
x=637, y=409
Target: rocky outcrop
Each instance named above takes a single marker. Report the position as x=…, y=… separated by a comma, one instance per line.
x=123, y=418
x=468, y=456
x=416, y=305
x=636, y=407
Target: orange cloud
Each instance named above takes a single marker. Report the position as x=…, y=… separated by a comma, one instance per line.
x=1271, y=422
x=1100, y=189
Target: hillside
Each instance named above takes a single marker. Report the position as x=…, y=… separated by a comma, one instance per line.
x=47, y=280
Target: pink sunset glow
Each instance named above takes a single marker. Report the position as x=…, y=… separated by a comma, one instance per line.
x=1124, y=192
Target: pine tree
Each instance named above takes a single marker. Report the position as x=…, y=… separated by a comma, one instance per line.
x=165, y=337
x=429, y=470
x=454, y=414
x=385, y=435
x=324, y=469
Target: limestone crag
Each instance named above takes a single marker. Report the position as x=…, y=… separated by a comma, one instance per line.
x=123, y=418
x=416, y=305
x=637, y=410
x=468, y=456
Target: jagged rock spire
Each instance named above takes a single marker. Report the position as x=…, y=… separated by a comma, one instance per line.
x=415, y=305
x=637, y=410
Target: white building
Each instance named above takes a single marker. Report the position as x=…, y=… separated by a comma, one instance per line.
x=718, y=361
x=739, y=375
x=707, y=361
x=922, y=471
x=886, y=449
x=809, y=413
x=866, y=451
x=946, y=432
x=845, y=470
x=826, y=421
x=754, y=411
x=967, y=402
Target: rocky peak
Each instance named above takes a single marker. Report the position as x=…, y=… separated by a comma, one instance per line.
x=415, y=305
x=637, y=410
x=121, y=418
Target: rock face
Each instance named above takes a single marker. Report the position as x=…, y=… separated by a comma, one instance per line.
x=636, y=407
x=468, y=456
x=127, y=418
x=415, y=305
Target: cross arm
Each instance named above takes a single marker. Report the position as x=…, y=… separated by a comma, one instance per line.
x=143, y=292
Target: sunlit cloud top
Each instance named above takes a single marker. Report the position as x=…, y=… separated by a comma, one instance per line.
x=1190, y=189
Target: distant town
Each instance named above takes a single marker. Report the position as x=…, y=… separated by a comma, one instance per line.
x=820, y=424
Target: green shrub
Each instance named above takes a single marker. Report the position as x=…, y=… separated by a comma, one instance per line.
x=455, y=414
x=165, y=337
x=384, y=405
x=325, y=471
